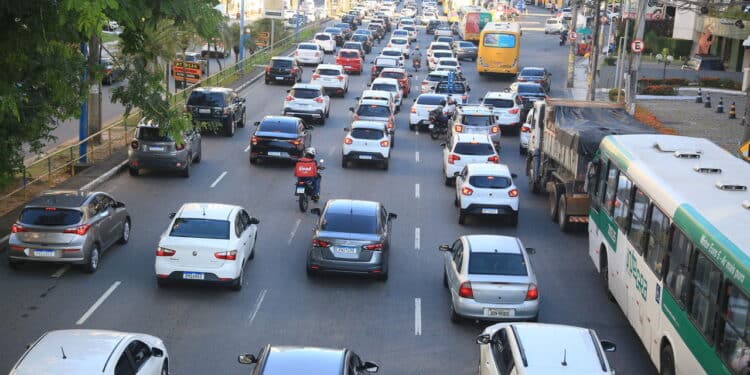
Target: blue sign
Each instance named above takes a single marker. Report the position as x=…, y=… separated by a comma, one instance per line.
x=506, y=40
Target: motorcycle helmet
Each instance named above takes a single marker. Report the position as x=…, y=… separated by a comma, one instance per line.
x=310, y=152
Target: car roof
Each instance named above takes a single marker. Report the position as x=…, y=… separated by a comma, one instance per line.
x=390, y=49
x=546, y=345
x=349, y=50
x=441, y=59
x=210, y=211
x=380, y=125
x=282, y=360
x=331, y=66
x=439, y=44
x=474, y=110
x=489, y=169
x=377, y=93
x=471, y=137
x=213, y=89
x=401, y=38
x=282, y=58
x=307, y=86
x=60, y=198
x=307, y=44
x=439, y=72
x=87, y=352
x=488, y=243
x=323, y=33
x=500, y=95
x=391, y=81
x=352, y=206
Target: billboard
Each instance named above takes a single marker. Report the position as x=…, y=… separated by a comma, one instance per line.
x=654, y=10
x=273, y=9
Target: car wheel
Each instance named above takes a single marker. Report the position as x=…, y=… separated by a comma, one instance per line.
x=383, y=276
x=165, y=368
x=448, y=181
x=384, y=165
x=237, y=284
x=229, y=128
x=545, y=31
x=413, y=127
x=344, y=163
x=461, y=216
x=252, y=251
x=253, y=160
x=268, y=82
x=309, y=271
x=455, y=318
x=521, y=150
x=562, y=214
x=552, y=201
x=186, y=171
x=322, y=120
x=241, y=124
x=328, y=112
x=456, y=202
x=445, y=279
x=125, y=237
x=14, y=264
x=133, y=171
x=667, y=361
x=93, y=262
x=199, y=155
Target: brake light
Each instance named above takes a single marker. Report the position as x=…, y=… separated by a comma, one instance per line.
x=318, y=100
x=289, y=98
x=520, y=97
x=375, y=246
x=465, y=290
x=317, y=54
x=390, y=123
x=467, y=191
x=294, y=70
x=513, y=111
x=254, y=140
x=15, y=228
x=522, y=80
x=356, y=116
x=413, y=110
x=389, y=45
x=459, y=128
x=162, y=252
x=452, y=158
x=525, y=129
x=494, y=158
x=296, y=53
x=384, y=143
x=348, y=141
x=513, y=193
x=340, y=78
x=532, y=293
x=374, y=69
x=268, y=69
x=79, y=230
x=134, y=145
x=320, y=243
x=539, y=81
x=296, y=142
x=494, y=129
x=315, y=76
x=226, y=255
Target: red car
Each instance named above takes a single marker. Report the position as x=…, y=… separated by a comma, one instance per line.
x=401, y=75
x=351, y=60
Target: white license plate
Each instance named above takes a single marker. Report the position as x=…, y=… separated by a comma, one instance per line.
x=203, y=110
x=274, y=153
x=193, y=275
x=365, y=157
x=349, y=67
x=493, y=211
x=44, y=253
x=344, y=251
x=301, y=190
x=431, y=126
x=157, y=148
x=499, y=312
x=279, y=78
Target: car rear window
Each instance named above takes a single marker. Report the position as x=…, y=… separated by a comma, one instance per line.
x=497, y=264
x=359, y=37
x=442, y=54
x=333, y=30
x=366, y=133
x=384, y=87
x=50, y=216
x=552, y=22
x=490, y=182
x=275, y=126
x=445, y=88
x=349, y=54
x=477, y=120
x=395, y=75
x=305, y=93
x=530, y=89
x=385, y=62
x=151, y=135
x=342, y=26
x=349, y=223
x=200, y=228
x=435, y=77
x=322, y=37
x=327, y=72
x=284, y=64
x=206, y=99
x=499, y=103
x=532, y=72
x=448, y=63
x=465, y=44
x=352, y=45
x=391, y=53
x=438, y=47
x=373, y=110
x=308, y=46
x=400, y=33
x=398, y=41
x=430, y=100
x=466, y=148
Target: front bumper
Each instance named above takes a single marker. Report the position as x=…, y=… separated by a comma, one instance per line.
x=470, y=308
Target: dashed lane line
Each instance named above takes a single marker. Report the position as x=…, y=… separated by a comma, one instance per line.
x=98, y=303
x=216, y=182
x=258, y=302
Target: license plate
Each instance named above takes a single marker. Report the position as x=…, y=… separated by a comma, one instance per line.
x=279, y=78
x=346, y=252
x=203, y=110
x=193, y=275
x=499, y=312
x=431, y=126
x=158, y=148
x=493, y=211
x=365, y=157
x=274, y=153
x=44, y=253
x=301, y=190
x=349, y=67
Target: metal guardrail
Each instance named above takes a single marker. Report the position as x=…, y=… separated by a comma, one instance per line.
x=62, y=163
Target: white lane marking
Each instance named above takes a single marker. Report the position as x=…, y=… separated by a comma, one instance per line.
x=58, y=274
x=258, y=302
x=416, y=191
x=416, y=156
x=416, y=238
x=247, y=148
x=418, y=316
x=218, y=179
x=98, y=303
x=294, y=231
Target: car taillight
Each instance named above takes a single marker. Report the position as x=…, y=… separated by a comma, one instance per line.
x=494, y=129
x=532, y=293
x=315, y=76
x=464, y=98
x=340, y=78
x=268, y=69
x=226, y=255
x=79, y=230
x=374, y=69
x=513, y=111
x=317, y=54
x=494, y=159
x=319, y=100
x=289, y=98
x=390, y=123
x=513, y=193
x=452, y=158
x=296, y=142
x=134, y=145
x=389, y=45
x=459, y=128
x=467, y=191
x=384, y=143
x=179, y=146
x=348, y=141
x=525, y=129
x=356, y=116
x=521, y=79
x=520, y=97
x=254, y=140
x=539, y=81
x=413, y=110
x=465, y=291
x=296, y=53
x=375, y=246
x=320, y=243
x=162, y=252
x=294, y=70
x=16, y=228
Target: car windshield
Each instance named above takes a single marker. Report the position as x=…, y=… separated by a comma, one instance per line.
x=438, y=47
x=497, y=264
x=398, y=41
x=200, y=228
x=530, y=90
x=465, y=44
x=373, y=110
x=435, y=77
x=447, y=88
x=50, y=216
x=532, y=72
x=431, y=100
x=439, y=55
x=308, y=46
x=283, y=64
x=275, y=126
x=322, y=37
x=490, y=182
x=391, y=53
x=394, y=75
x=400, y=33
x=333, y=30
x=359, y=37
x=384, y=87
x=349, y=223
x=352, y=46
x=366, y=133
x=206, y=99
x=305, y=93
x=327, y=72
x=477, y=120
x=466, y=148
x=499, y=103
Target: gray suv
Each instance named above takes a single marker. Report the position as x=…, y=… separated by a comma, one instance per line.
x=150, y=149
x=351, y=236
x=68, y=227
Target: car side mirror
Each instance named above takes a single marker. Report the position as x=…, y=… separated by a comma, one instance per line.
x=315, y=211
x=608, y=346
x=410, y=75
x=530, y=250
x=156, y=352
x=392, y=216
x=172, y=215
x=346, y=129
x=119, y=204
x=483, y=339
x=444, y=248
x=370, y=367
x=288, y=91
x=257, y=123
x=351, y=109
x=357, y=98
x=513, y=175
x=254, y=220
x=247, y=359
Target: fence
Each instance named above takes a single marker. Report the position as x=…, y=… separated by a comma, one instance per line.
x=62, y=163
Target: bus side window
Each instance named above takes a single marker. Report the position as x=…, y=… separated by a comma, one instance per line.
x=623, y=202
x=637, y=230
x=680, y=253
x=602, y=182
x=658, y=237
x=705, y=285
x=609, y=194
x=733, y=346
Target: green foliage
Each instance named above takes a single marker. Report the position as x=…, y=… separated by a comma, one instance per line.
x=723, y=83
x=613, y=94
x=658, y=81
x=677, y=47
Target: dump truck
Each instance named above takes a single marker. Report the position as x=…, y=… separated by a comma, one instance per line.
x=564, y=140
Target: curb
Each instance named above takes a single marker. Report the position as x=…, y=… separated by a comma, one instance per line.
x=664, y=97
x=712, y=90
x=106, y=176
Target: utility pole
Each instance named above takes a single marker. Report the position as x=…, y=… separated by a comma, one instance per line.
x=635, y=58
x=595, y=52
x=242, y=30
x=621, y=54
x=94, y=118
x=83, y=121
x=572, y=48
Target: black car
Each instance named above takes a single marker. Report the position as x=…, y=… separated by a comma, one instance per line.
x=279, y=137
x=356, y=46
x=351, y=236
x=283, y=69
x=365, y=40
x=217, y=104
x=529, y=92
x=346, y=29
x=432, y=25
x=357, y=16
x=533, y=74
x=285, y=360
x=377, y=29
x=350, y=19
x=112, y=72
x=381, y=63
x=337, y=33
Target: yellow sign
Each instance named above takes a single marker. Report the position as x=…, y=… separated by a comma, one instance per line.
x=744, y=150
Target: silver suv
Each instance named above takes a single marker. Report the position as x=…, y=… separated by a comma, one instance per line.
x=68, y=227
x=476, y=119
x=150, y=149
x=307, y=101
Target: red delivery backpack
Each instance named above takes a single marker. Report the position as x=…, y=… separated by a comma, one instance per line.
x=306, y=168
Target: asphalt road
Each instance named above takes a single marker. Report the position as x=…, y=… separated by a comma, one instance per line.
x=205, y=328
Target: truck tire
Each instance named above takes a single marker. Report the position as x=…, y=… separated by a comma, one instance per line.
x=533, y=185
x=553, y=199
x=562, y=214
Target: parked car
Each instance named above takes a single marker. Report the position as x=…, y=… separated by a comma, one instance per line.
x=332, y=78
x=351, y=60
x=309, y=53
x=307, y=101
x=280, y=138
x=64, y=226
x=351, y=236
x=277, y=360
x=486, y=189
x=94, y=351
x=465, y=50
x=208, y=243
x=217, y=104
x=152, y=149
x=367, y=141
x=507, y=107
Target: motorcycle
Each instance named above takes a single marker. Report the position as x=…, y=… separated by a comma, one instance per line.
x=437, y=127
x=304, y=191
x=416, y=63
x=563, y=39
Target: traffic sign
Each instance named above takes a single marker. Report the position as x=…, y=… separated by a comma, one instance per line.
x=573, y=35
x=744, y=151
x=637, y=46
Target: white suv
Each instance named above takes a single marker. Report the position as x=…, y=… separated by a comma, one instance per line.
x=507, y=106
x=463, y=149
x=476, y=119
x=367, y=141
x=486, y=189
x=306, y=100
x=401, y=44
x=419, y=115
x=448, y=62
x=389, y=84
x=326, y=42
x=432, y=60
x=332, y=78
x=309, y=53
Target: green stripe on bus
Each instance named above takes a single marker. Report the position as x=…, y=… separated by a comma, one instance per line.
x=725, y=254
x=605, y=224
x=693, y=339
x=616, y=151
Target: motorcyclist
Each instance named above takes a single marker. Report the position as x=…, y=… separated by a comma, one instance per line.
x=450, y=107
x=438, y=113
x=416, y=58
x=563, y=36
x=306, y=170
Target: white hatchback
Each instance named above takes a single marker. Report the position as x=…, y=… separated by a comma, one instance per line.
x=507, y=106
x=368, y=141
x=486, y=189
x=309, y=53
x=326, y=42
x=401, y=44
x=208, y=242
x=393, y=53
x=449, y=62
x=419, y=115
x=463, y=149
x=332, y=78
x=435, y=56
x=391, y=85
x=525, y=134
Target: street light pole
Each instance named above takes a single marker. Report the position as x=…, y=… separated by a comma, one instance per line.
x=635, y=58
x=572, y=47
x=595, y=52
x=242, y=30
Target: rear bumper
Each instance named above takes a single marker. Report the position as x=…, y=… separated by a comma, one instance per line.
x=470, y=308
x=375, y=265
x=365, y=156
x=283, y=154
x=158, y=162
x=227, y=272
x=281, y=77
x=22, y=252
x=480, y=209
x=313, y=113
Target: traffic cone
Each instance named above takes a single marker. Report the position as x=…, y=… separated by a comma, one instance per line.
x=720, y=107
x=699, y=97
x=707, y=102
x=732, y=111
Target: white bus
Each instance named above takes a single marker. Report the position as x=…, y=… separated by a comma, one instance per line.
x=669, y=231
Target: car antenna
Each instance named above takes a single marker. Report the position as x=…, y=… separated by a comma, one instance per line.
x=565, y=357
x=204, y=210
x=63, y=353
